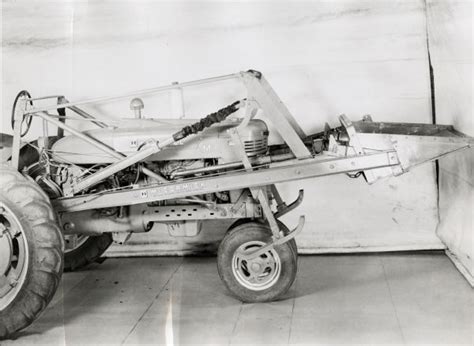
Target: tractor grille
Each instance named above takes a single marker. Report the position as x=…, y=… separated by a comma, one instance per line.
x=257, y=147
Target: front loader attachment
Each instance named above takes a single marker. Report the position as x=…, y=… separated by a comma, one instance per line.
x=414, y=144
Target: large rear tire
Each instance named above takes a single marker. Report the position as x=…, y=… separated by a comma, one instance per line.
x=31, y=251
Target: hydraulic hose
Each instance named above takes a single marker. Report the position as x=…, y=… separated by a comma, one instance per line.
x=207, y=121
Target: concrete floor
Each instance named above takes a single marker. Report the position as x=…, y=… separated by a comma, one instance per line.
x=347, y=299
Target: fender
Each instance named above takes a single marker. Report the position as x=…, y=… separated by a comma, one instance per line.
x=28, y=155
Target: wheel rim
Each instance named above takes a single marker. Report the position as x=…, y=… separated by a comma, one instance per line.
x=74, y=241
x=258, y=273
x=14, y=257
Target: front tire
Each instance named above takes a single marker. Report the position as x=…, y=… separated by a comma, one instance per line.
x=83, y=250
x=281, y=225
x=31, y=252
x=262, y=279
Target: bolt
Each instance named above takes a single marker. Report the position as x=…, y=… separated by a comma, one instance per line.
x=3, y=230
x=13, y=282
x=331, y=166
x=255, y=267
x=15, y=232
x=68, y=226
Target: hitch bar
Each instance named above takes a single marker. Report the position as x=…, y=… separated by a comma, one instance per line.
x=269, y=246
x=287, y=208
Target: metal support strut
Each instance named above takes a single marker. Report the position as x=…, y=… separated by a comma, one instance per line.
x=261, y=194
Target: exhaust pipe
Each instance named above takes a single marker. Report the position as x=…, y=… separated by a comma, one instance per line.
x=94, y=222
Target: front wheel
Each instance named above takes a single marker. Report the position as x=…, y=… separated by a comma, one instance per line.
x=82, y=250
x=264, y=278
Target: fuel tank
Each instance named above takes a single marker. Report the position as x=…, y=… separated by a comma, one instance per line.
x=214, y=142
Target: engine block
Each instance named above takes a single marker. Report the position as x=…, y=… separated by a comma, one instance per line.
x=215, y=143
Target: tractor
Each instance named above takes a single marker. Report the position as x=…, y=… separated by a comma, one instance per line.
x=66, y=196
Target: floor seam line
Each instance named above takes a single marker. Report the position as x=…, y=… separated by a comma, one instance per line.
x=152, y=302
x=69, y=290
x=291, y=319
x=393, y=303
x=236, y=322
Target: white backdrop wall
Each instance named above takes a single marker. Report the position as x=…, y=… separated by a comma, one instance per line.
x=323, y=59
x=450, y=37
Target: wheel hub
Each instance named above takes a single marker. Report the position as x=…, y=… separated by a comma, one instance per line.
x=13, y=255
x=257, y=273
x=255, y=267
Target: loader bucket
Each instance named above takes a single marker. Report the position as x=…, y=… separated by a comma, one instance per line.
x=414, y=143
